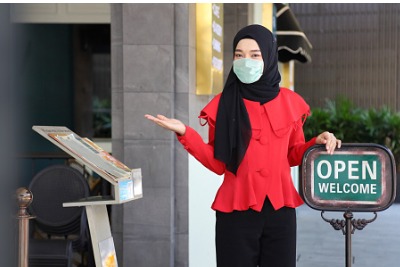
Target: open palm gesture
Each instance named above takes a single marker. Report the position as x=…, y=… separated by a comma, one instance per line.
x=168, y=123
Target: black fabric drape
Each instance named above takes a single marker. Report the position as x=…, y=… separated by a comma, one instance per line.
x=233, y=129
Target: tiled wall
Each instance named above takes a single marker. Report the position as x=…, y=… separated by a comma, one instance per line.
x=355, y=53
x=148, y=41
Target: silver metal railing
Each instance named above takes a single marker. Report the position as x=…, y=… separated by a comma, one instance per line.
x=24, y=199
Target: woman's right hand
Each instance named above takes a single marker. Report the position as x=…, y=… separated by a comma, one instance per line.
x=167, y=123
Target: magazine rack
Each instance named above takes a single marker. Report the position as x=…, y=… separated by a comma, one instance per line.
x=126, y=185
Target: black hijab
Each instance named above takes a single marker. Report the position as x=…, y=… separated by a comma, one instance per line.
x=232, y=128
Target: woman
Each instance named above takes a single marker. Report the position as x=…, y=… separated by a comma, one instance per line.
x=255, y=136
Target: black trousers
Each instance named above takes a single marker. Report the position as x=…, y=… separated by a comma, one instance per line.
x=250, y=238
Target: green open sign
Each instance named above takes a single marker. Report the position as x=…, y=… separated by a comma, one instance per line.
x=357, y=177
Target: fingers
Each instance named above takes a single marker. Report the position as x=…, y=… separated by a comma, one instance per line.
x=339, y=143
x=147, y=116
x=157, y=119
x=330, y=141
x=167, y=123
x=162, y=117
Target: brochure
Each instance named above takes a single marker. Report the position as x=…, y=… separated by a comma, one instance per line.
x=129, y=181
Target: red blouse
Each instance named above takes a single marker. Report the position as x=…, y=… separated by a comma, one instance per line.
x=277, y=143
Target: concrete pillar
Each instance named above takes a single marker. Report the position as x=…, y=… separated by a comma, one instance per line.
x=150, y=48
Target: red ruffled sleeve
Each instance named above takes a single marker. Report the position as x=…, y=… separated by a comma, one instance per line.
x=194, y=144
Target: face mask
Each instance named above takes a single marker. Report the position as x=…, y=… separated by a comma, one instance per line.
x=248, y=70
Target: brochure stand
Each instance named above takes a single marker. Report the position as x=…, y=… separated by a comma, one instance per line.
x=126, y=185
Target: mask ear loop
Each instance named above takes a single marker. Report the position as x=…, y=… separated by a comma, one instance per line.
x=301, y=122
x=201, y=118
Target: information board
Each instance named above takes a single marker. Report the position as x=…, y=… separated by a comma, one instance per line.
x=126, y=185
x=209, y=48
x=126, y=182
x=357, y=177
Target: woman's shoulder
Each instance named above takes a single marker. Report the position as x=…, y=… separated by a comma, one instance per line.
x=290, y=95
x=289, y=99
x=214, y=101
x=287, y=108
x=210, y=110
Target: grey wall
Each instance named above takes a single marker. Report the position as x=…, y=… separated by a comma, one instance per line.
x=150, y=74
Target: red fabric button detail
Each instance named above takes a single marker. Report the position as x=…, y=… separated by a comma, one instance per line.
x=264, y=172
x=264, y=140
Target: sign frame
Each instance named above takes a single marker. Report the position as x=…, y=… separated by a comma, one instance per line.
x=387, y=178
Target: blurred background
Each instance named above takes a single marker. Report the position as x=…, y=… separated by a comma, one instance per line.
x=98, y=68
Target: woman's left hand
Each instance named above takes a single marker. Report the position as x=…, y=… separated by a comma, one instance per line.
x=329, y=140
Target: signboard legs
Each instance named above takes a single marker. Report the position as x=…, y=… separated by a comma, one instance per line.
x=348, y=215
x=357, y=177
x=126, y=186
x=348, y=226
x=102, y=241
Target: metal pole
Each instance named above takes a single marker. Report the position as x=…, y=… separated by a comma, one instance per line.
x=24, y=198
x=348, y=227
x=348, y=215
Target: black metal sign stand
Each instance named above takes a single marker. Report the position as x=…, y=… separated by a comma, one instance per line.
x=348, y=226
x=356, y=178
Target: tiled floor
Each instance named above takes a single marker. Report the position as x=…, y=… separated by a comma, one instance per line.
x=320, y=245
